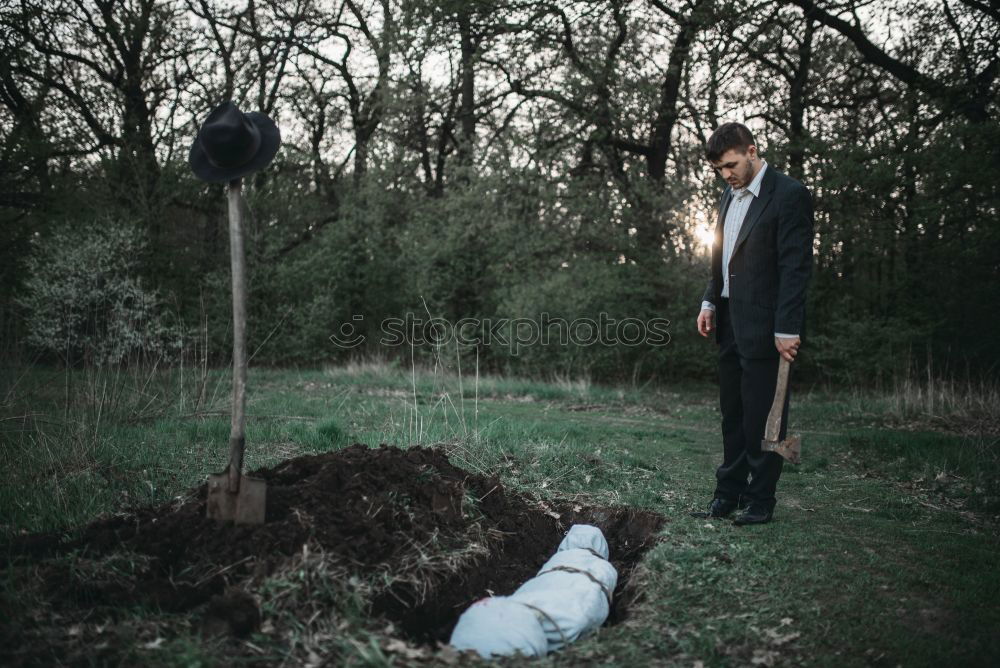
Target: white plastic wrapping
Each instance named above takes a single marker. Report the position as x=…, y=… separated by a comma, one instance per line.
x=497, y=626
x=571, y=594
x=587, y=537
x=568, y=598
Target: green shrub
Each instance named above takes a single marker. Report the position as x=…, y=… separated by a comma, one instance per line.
x=83, y=298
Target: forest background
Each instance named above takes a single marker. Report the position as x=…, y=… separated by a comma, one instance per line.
x=494, y=160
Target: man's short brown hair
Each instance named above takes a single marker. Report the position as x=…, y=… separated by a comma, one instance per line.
x=726, y=137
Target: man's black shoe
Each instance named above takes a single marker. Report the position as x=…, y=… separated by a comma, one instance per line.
x=754, y=514
x=718, y=508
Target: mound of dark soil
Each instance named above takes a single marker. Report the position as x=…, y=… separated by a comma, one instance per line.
x=363, y=505
x=368, y=509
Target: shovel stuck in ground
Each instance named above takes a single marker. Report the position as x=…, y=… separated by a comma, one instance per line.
x=791, y=447
x=231, y=495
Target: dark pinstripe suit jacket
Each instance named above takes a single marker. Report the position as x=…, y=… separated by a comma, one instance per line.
x=770, y=265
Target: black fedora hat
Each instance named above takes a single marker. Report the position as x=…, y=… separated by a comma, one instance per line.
x=231, y=144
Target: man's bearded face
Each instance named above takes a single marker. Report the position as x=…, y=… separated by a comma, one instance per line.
x=737, y=167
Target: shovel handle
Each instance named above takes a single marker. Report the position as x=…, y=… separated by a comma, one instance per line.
x=237, y=435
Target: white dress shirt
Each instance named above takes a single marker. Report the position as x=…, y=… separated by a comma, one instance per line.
x=742, y=198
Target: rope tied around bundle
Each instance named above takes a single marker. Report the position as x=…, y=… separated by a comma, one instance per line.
x=570, y=569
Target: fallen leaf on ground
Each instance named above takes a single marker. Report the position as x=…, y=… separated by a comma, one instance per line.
x=449, y=655
x=400, y=647
x=780, y=639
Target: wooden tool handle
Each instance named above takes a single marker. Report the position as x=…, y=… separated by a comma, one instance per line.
x=773, y=427
x=237, y=437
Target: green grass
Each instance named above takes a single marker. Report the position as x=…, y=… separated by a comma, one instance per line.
x=882, y=551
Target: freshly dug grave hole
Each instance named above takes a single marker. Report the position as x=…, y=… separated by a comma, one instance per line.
x=630, y=533
x=430, y=538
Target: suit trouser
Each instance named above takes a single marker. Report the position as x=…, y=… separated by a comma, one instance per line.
x=746, y=392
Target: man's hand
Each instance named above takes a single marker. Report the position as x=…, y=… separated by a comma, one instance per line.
x=787, y=347
x=706, y=321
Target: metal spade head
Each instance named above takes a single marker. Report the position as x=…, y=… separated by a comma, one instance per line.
x=244, y=506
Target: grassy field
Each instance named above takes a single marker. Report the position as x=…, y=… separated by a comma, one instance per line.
x=882, y=552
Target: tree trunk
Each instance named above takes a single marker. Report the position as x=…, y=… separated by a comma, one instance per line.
x=797, y=104
x=466, y=110
x=667, y=111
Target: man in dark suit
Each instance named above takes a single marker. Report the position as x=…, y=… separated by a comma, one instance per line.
x=755, y=302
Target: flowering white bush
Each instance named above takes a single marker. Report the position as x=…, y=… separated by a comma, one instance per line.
x=83, y=297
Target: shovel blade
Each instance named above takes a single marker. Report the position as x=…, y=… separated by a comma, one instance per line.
x=790, y=448
x=243, y=507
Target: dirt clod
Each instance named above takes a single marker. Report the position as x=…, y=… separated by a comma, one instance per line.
x=234, y=613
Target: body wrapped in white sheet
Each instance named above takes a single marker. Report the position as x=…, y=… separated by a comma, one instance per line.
x=572, y=594
x=497, y=626
x=568, y=598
